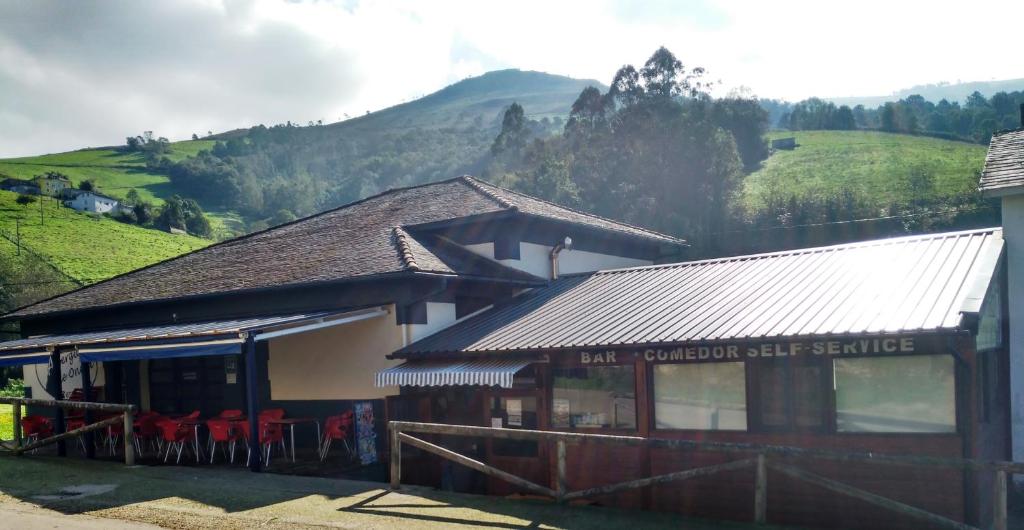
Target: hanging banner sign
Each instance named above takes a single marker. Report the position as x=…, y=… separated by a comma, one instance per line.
x=740, y=352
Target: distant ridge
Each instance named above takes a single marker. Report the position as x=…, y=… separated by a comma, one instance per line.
x=950, y=91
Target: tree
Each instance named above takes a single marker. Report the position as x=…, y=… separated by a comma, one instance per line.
x=183, y=214
x=86, y=185
x=281, y=217
x=143, y=213
x=25, y=200
x=132, y=197
x=513, y=133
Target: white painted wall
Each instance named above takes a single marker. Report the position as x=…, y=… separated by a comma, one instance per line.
x=1013, y=235
x=71, y=376
x=338, y=362
x=88, y=202
x=440, y=315
x=535, y=259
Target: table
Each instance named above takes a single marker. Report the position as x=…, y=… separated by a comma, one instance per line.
x=291, y=423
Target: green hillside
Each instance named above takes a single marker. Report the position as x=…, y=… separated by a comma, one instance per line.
x=84, y=247
x=113, y=171
x=879, y=167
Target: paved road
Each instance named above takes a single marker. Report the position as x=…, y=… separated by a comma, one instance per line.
x=28, y=517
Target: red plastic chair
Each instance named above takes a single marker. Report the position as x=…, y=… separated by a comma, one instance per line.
x=76, y=422
x=337, y=428
x=270, y=434
x=176, y=435
x=223, y=432
x=231, y=414
x=145, y=427
x=273, y=414
x=34, y=428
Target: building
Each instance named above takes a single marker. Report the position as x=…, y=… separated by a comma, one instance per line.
x=303, y=315
x=53, y=184
x=23, y=187
x=784, y=143
x=91, y=201
x=1003, y=178
x=465, y=303
x=891, y=346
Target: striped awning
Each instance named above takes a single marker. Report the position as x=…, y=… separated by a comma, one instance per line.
x=482, y=372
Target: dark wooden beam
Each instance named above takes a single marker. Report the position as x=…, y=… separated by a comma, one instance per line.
x=252, y=403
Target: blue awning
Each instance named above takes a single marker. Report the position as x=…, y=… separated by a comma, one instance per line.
x=163, y=351
x=20, y=359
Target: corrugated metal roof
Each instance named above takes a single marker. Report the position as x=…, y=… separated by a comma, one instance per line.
x=485, y=372
x=1004, y=163
x=170, y=331
x=897, y=285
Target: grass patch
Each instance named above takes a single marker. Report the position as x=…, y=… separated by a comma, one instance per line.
x=113, y=171
x=86, y=247
x=874, y=165
x=6, y=421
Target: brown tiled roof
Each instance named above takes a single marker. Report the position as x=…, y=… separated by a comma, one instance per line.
x=1004, y=164
x=366, y=238
x=539, y=207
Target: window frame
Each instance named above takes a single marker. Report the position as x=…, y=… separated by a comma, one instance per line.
x=960, y=412
x=637, y=396
x=652, y=406
x=826, y=383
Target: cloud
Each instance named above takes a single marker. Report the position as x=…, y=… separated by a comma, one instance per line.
x=88, y=73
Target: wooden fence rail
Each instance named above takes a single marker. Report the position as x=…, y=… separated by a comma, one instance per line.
x=764, y=457
x=127, y=418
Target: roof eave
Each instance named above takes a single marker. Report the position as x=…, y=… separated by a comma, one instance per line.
x=420, y=354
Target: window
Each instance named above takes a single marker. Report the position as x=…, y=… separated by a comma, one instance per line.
x=594, y=397
x=515, y=413
x=710, y=396
x=789, y=395
x=911, y=394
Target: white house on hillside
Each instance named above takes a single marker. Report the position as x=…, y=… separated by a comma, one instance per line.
x=89, y=201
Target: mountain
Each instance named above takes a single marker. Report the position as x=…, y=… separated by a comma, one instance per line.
x=274, y=173
x=952, y=92
x=478, y=101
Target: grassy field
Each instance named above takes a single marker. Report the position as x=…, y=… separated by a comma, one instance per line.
x=89, y=248
x=871, y=164
x=113, y=171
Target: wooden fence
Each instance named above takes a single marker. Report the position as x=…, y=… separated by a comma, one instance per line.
x=127, y=416
x=760, y=457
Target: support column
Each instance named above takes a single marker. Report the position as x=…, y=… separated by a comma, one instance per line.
x=54, y=387
x=90, y=437
x=252, y=402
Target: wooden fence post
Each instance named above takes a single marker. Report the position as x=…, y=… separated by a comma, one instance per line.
x=17, y=424
x=396, y=458
x=129, y=438
x=561, y=485
x=761, y=491
x=999, y=500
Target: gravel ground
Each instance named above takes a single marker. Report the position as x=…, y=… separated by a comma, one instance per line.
x=196, y=497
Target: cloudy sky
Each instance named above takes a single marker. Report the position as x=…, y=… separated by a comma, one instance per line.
x=84, y=73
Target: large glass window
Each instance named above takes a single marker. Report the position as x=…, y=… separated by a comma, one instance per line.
x=710, y=396
x=594, y=397
x=896, y=394
x=789, y=395
x=514, y=413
